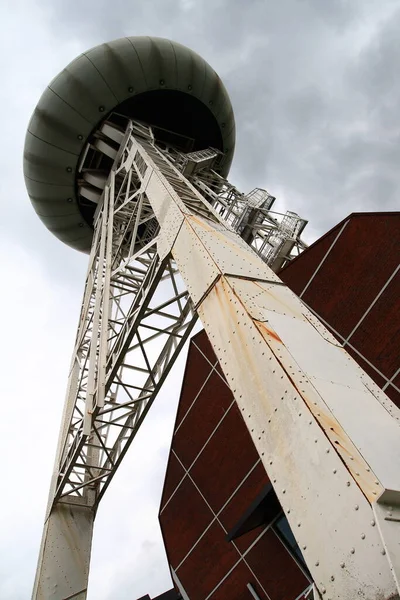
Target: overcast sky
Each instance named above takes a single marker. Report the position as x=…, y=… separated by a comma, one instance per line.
x=316, y=93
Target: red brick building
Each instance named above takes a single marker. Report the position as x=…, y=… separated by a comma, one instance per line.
x=224, y=531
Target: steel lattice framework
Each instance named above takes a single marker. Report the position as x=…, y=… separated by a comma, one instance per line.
x=136, y=313
x=166, y=249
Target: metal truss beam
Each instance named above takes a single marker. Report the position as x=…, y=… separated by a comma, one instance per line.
x=318, y=422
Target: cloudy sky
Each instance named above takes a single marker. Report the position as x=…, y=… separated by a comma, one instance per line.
x=316, y=93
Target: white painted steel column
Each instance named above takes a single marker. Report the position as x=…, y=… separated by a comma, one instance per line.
x=319, y=424
x=64, y=559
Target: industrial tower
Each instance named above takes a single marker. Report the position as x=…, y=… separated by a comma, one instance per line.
x=126, y=159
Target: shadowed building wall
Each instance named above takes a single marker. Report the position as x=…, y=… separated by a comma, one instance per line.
x=225, y=535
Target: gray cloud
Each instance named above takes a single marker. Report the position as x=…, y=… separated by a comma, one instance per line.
x=316, y=95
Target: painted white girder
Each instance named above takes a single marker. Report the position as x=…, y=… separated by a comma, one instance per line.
x=325, y=436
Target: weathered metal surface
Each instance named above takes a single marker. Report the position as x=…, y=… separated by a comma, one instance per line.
x=336, y=377
x=65, y=554
x=387, y=515
x=192, y=258
x=288, y=375
x=345, y=407
x=328, y=513
x=229, y=252
x=337, y=436
x=278, y=418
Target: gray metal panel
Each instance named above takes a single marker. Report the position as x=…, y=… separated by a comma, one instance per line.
x=51, y=200
x=55, y=122
x=94, y=84
x=118, y=62
x=82, y=87
x=158, y=61
x=191, y=70
x=48, y=164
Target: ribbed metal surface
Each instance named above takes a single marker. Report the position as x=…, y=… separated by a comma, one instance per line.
x=109, y=77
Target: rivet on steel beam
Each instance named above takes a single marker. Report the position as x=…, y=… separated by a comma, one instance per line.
x=352, y=551
x=356, y=507
x=363, y=536
x=383, y=551
x=348, y=483
x=373, y=523
x=334, y=471
x=317, y=563
x=332, y=578
x=342, y=565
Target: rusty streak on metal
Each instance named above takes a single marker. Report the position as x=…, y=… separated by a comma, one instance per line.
x=266, y=331
x=339, y=440
x=337, y=437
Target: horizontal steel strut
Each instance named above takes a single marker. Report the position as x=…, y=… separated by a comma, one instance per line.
x=165, y=250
